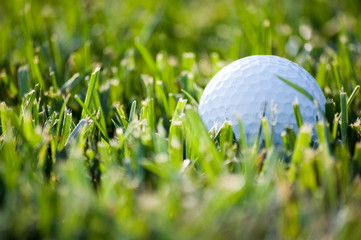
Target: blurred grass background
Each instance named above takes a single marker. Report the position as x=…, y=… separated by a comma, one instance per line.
x=100, y=139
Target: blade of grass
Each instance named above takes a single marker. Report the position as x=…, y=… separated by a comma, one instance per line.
x=66, y=127
x=132, y=114
x=60, y=119
x=23, y=80
x=344, y=115
x=242, y=141
x=176, y=138
x=147, y=58
x=226, y=139
x=89, y=95
x=206, y=152
x=298, y=88
x=353, y=96
x=190, y=97
x=96, y=122
x=302, y=142
x=77, y=130
x=297, y=113
x=120, y=116
x=267, y=133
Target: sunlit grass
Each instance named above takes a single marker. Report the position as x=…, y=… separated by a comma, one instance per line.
x=100, y=136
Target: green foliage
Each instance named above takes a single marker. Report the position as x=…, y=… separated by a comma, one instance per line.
x=100, y=136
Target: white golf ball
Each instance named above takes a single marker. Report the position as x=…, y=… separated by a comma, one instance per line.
x=249, y=88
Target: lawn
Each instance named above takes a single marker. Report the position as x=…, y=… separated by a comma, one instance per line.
x=100, y=136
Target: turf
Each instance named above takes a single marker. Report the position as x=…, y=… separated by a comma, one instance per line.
x=100, y=136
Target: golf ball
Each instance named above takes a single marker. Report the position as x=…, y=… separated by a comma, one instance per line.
x=250, y=88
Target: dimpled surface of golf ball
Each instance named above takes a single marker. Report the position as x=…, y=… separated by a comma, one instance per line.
x=250, y=87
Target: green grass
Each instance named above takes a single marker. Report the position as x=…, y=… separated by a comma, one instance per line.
x=100, y=136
